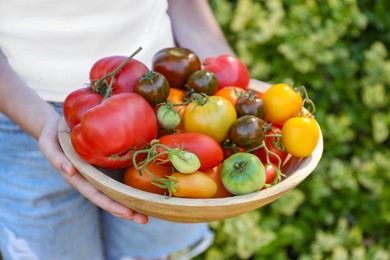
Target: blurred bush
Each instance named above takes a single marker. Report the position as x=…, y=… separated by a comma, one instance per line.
x=339, y=50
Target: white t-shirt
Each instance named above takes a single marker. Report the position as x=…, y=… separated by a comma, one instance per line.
x=53, y=44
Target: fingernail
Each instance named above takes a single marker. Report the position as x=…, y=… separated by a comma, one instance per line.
x=66, y=168
x=139, y=219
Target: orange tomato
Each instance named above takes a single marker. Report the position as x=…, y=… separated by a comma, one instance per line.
x=194, y=185
x=176, y=96
x=215, y=174
x=144, y=182
x=231, y=93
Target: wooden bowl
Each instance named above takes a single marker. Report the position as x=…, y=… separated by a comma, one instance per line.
x=191, y=210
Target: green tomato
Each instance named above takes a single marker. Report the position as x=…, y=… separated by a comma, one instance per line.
x=167, y=117
x=243, y=173
x=183, y=161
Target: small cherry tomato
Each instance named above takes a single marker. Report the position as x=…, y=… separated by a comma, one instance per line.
x=144, y=181
x=247, y=132
x=215, y=174
x=194, y=185
x=183, y=161
x=231, y=93
x=270, y=173
x=281, y=102
x=243, y=173
x=153, y=86
x=167, y=117
x=300, y=136
x=202, y=81
x=250, y=105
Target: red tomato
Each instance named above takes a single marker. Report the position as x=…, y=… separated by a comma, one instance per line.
x=215, y=174
x=126, y=73
x=176, y=64
x=194, y=185
x=125, y=79
x=204, y=147
x=77, y=103
x=274, y=144
x=270, y=173
x=111, y=132
x=228, y=70
x=144, y=181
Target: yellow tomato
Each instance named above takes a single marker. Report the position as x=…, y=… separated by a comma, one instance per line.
x=212, y=116
x=281, y=102
x=300, y=136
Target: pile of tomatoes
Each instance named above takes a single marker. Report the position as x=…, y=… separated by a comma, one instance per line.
x=187, y=128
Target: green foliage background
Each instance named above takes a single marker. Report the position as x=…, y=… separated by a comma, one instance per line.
x=339, y=50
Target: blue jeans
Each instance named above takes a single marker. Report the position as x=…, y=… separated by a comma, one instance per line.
x=42, y=217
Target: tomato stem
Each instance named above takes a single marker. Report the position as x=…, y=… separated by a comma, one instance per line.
x=168, y=183
x=306, y=100
x=102, y=80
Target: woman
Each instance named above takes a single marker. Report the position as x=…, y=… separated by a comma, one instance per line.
x=47, y=49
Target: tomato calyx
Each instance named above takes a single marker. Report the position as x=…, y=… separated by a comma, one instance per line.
x=102, y=86
x=183, y=161
x=199, y=98
x=150, y=75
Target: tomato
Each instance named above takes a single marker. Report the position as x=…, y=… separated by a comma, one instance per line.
x=274, y=145
x=183, y=161
x=111, y=132
x=125, y=78
x=144, y=181
x=194, y=185
x=176, y=64
x=215, y=174
x=300, y=136
x=243, y=173
x=229, y=71
x=270, y=174
x=176, y=97
x=202, y=81
x=108, y=76
x=247, y=132
x=208, y=151
x=281, y=102
x=168, y=117
x=231, y=93
x=212, y=116
x=153, y=86
x=77, y=103
x=229, y=148
x=250, y=105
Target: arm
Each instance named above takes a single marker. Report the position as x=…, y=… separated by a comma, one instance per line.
x=22, y=105
x=195, y=27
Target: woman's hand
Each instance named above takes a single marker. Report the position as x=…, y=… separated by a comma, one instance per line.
x=49, y=146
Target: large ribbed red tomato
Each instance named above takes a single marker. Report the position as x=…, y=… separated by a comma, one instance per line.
x=111, y=132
